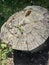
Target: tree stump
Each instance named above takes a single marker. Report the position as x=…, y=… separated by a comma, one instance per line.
x=10, y=61
x=27, y=29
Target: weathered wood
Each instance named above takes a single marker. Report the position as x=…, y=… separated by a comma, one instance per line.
x=10, y=61
x=26, y=29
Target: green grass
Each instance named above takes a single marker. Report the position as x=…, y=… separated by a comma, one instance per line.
x=8, y=7
x=5, y=50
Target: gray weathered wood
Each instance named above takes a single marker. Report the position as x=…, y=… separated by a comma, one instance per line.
x=26, y=29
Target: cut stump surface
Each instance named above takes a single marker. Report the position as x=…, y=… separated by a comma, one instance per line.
x=26, y=29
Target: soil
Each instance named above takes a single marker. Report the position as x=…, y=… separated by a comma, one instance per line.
x=22, y=58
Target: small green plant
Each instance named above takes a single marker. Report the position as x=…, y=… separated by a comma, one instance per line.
x=4, y=52
x=20, y=29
